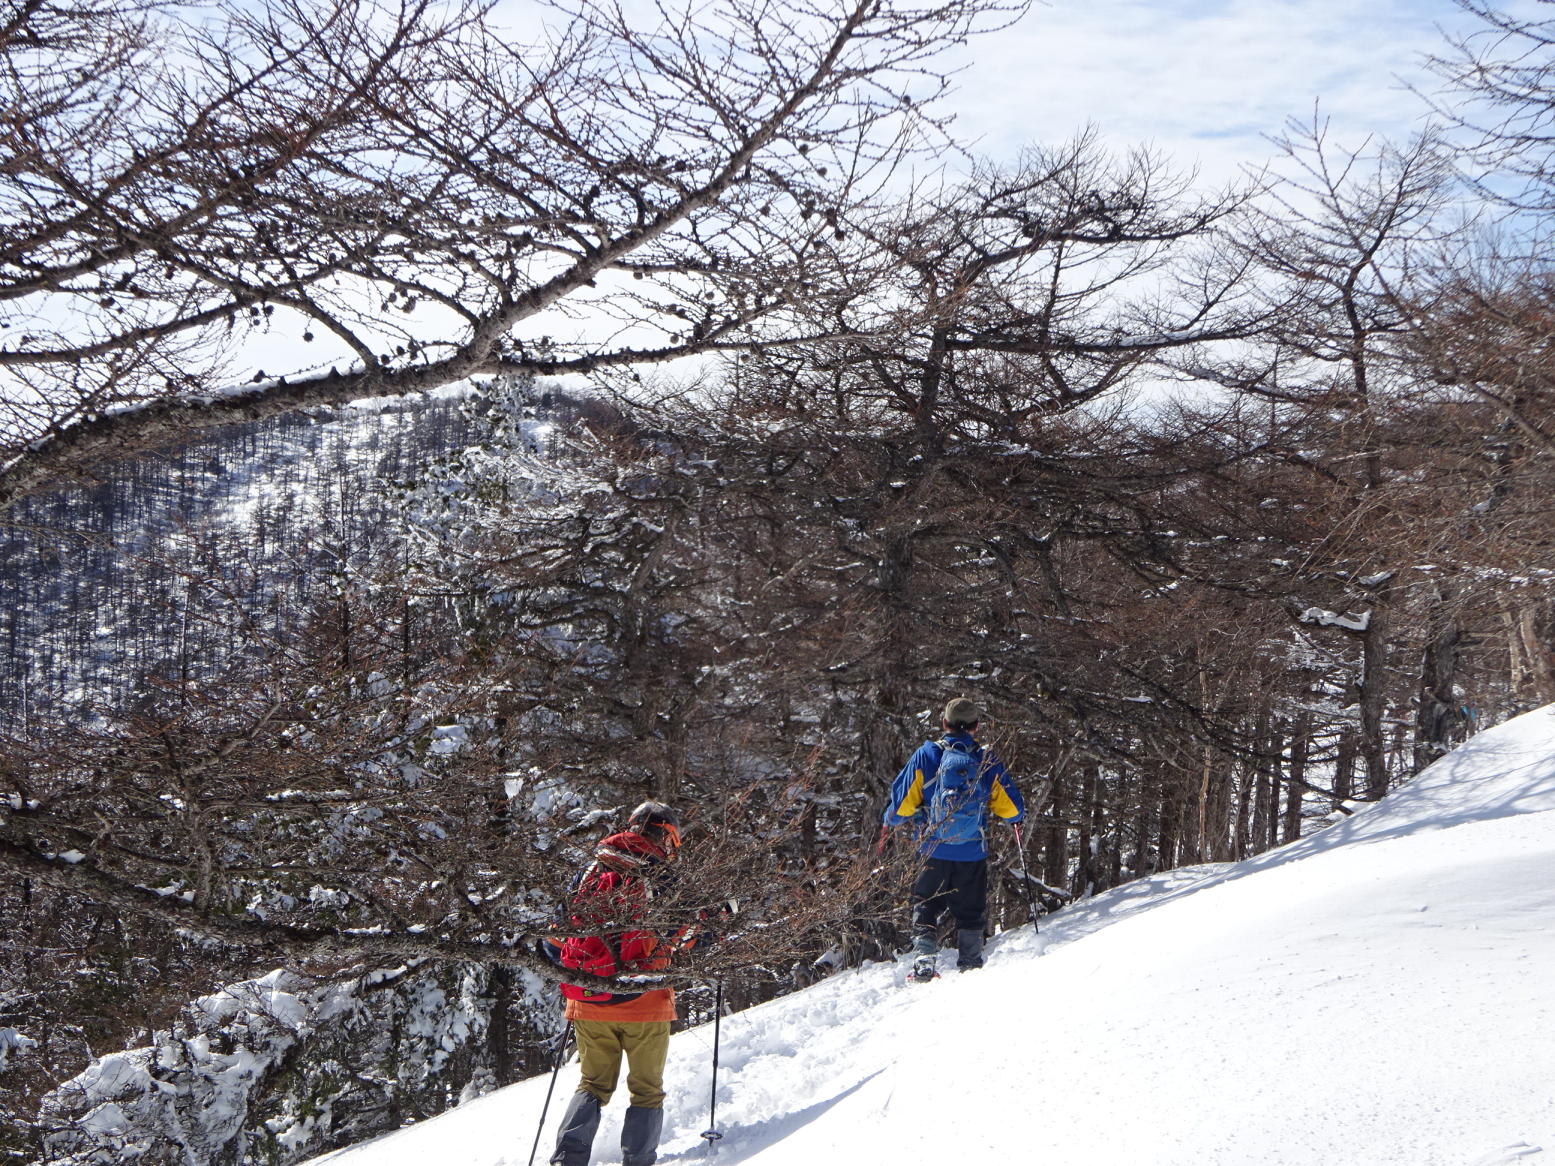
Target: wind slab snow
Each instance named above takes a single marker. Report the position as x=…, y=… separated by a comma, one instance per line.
x=1379, y=992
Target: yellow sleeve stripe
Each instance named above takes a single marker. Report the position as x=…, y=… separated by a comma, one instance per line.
x=914, y=799
x=1000, y=802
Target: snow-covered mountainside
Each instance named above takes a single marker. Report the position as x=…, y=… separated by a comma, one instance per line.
x=98, y=584
x=1380, y=992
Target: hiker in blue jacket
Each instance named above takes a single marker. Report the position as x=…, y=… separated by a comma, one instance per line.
x=947, y=790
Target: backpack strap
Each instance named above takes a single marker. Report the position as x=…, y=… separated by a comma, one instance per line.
x=975, y=751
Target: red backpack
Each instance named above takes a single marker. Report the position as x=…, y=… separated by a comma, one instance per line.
x=607, y=893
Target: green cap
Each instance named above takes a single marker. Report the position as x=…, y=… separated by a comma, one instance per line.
x=962, y=711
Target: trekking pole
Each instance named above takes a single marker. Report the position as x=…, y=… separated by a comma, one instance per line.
x=711, y=1133
x=1025, y=879
x=561, y=1056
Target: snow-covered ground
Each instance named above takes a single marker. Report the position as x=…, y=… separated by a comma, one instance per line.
x=1380, y=992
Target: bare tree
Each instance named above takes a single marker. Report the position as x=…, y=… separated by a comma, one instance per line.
x=415, y=194
x=1498, y=94
x=993, y=309
x=1347, y=240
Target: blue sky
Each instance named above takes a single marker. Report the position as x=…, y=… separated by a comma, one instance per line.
x=1205, y=82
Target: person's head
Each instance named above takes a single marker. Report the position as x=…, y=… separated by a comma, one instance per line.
x=659, y=824
x=961, y=715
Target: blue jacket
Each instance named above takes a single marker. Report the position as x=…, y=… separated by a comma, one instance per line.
x=913, y=790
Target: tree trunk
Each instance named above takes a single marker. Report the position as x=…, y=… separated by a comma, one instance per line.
x=1371, y=694
x=1344, y=769
x=1537, y=654
x=1439, y=715
x=1265, y=744
x=1173, y=797
x=1241, y=833
x=499, y=1032
x=1055, y=858
x=1296, y=783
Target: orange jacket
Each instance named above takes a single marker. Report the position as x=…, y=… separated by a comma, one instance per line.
x=656, y=1005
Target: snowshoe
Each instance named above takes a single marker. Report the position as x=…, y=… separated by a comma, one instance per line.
x=925, y=968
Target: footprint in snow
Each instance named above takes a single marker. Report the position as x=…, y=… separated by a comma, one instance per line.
x=1508, y=1154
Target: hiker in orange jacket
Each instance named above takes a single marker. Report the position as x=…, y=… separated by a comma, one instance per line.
x=615, y=886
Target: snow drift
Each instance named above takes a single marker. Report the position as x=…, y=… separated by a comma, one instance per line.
x=1381, y=992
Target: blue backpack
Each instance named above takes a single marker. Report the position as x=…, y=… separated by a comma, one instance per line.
x=958, y=803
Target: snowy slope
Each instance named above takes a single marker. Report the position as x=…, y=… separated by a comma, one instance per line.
x=1381, y=992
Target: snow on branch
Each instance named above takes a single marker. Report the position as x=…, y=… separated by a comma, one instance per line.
x=1321, y=617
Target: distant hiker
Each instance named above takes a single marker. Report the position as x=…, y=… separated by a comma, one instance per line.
x=616, y=886
x=947, y=790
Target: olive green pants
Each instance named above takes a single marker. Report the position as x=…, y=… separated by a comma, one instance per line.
x=644, y=1043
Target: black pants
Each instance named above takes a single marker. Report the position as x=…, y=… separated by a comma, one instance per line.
x=945, y=884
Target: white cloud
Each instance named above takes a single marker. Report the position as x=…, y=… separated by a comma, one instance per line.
x=1203, y=82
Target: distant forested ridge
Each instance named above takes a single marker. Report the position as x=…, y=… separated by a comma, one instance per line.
x=112, y=581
